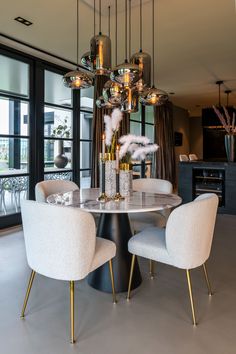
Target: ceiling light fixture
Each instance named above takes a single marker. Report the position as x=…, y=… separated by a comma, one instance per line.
x=126, y=73
x=100, y=47
x=77, y=79
x=23, y=21
x=227, y=92
x=153, y=96
x=142, y=59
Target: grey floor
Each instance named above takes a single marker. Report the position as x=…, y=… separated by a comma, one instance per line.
x=156, y=320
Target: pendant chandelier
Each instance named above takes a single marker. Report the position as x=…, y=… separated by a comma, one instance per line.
x=127, y=73
x=142, y=59
x=100, y=47
x=77, y=79
x=153, y=96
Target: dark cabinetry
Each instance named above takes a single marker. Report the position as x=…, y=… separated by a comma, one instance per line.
x=200, y=177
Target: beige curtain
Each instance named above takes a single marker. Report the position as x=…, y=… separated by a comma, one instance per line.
x=98, y=129
x=164, y=159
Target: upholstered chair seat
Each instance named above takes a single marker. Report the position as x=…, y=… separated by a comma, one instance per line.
x=61, y=243
x=45, y=188
x=185, y=242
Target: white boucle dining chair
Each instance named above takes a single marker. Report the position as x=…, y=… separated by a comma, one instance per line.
x=140, y=221
x=45, y=188
x=183, y=158
x=61, y=243
x=185, y=243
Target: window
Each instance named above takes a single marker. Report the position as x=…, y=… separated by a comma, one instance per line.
x=14, y=134
x=142, y=123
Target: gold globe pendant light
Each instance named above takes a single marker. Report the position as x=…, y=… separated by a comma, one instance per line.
x=77, y=79
x=153, y=96
x=130, y=103
x=100, y=47
x=113, y=92
x=143, y=60
x=127, y=73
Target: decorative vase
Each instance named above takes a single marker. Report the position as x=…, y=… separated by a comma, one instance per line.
x=230, y=147
x=61, y=160
x=126, y=179
x=110, y=175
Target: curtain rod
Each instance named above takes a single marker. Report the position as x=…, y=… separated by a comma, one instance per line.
x=41, y=50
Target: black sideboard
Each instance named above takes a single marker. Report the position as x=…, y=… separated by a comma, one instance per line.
x=195, y=178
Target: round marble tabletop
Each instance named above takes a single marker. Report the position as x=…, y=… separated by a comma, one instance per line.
x=138, y=202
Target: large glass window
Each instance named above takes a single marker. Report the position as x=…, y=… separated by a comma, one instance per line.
x=58, y=134
x=14, y=134
x=142, y=123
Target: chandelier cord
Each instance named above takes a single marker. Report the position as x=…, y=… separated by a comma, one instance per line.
x=141, y=27
x=129, y=29
x=100, y=18
x=153, y=29
x=126, y=30
x=116, y=34
x=94, y=18
x=109, y=21
x=77, y=32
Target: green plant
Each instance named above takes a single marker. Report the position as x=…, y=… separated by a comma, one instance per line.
x=62, y=130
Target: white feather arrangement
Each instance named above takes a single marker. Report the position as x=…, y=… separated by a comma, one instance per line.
x=112, y=125
x=136, y=147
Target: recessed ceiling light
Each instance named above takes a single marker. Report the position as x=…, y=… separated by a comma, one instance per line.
x=23, y=21
x=171, y=93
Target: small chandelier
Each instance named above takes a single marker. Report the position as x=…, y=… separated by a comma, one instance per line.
x=126, y=73
x=143, y=60
x=77, y=79
x=153, y=96
x=100, y=47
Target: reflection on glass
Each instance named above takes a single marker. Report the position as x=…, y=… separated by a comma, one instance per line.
x=149, y=114
x=136, y=171
x=85, y=154
x=55, y=91
x=66, y=176
x=12, y=191
x=14, y=76
x=86, y=125
x=149, y=129
x=57, y=123
x=13, y=155
x=137, y=116
x=135, y=128
x=85, y=179
x=14, y=117
x=57, y=154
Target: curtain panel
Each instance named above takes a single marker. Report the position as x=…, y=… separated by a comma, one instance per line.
x=164, y=159
x=98, y=129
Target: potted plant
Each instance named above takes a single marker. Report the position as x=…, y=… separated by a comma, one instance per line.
x=61, y=131
x=228, y=124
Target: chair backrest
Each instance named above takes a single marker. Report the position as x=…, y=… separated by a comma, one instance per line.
x=60, y=241
x=189, y=231
x=45, y=188
x=193, y=157
x=152, y=185
x=183, y=158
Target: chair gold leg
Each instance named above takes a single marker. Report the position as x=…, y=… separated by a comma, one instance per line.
x=207, y=279
x=112, y=282
x=191, y=296
x=31, y=279
x=131, y=276
x=72, y=338
x=151, y=268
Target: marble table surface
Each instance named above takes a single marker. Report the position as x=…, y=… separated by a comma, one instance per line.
x=137, y=202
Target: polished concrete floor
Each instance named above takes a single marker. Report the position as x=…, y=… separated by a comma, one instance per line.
x=156, y=320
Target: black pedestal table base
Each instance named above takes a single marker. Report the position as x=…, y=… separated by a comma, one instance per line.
x=115, y=227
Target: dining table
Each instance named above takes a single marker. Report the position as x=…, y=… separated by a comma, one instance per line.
x=114, y=225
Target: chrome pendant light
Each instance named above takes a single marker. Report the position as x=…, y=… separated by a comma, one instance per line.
x=143, y=60
x=101, y=103
x=77, y=79
x=127, y=73
x=153, y=96
x=131, y=102
x=100, y=47
x=112, y=91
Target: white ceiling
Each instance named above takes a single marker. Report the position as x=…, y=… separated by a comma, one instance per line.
x=194, y=43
